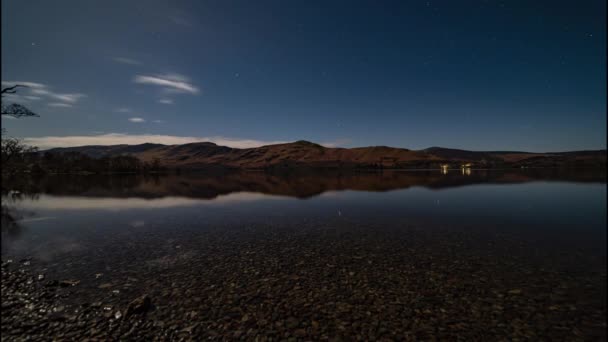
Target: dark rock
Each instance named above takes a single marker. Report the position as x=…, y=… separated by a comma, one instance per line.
x=139, y=305
x=51, y=283
x=69, y=282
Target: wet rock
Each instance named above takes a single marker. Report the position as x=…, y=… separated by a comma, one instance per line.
x=69, y=283
x=51, y=283
x=291, y=322
x=139, y=305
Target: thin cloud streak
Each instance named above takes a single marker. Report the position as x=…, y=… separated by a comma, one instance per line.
x=58, y=104
x=71, y=98
x=40, y=89
x=137, y=120
x=336, y=143
x=181, y=19
x=25, y=83
x=169, y=82
x=135, y=139
x=124, y=60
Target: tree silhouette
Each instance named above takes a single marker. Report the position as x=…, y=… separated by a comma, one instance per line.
x=14, y=109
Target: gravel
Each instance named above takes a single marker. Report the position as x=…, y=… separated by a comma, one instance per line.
x=310, y=281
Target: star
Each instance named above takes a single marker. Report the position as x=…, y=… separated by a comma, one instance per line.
x=236, y=75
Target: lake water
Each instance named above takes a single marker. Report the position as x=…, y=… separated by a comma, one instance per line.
x=403, y=255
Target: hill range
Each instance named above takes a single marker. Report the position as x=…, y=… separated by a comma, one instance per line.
x=304, y=154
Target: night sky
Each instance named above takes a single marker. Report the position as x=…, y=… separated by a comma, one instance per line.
x=478, y=75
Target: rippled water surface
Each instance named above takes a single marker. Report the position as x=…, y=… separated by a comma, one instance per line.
x=470, y=253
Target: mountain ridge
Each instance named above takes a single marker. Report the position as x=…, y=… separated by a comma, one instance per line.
x=304, y=153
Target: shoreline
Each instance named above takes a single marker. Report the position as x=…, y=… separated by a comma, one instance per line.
x=309, y=282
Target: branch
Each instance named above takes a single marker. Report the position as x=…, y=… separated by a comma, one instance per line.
x=16, y=110
x=13, y=89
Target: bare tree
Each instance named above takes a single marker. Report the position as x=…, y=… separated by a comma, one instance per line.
x=14, y=155
x=13, y=151
x=14, y=109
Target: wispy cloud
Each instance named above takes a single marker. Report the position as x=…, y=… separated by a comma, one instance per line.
x=336, y=143
x=165, y=101
x=71, y=98
x=158, y=121
x=138, y=120
x=134, y=139
x=39, y=91
x=59, y=104
x=171, y=83
x=180, y=19
x=124, y=60
x=15, y=98
x=25, y=83
x=122, y=110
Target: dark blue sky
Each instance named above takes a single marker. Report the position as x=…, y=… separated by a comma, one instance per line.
x=479, y=75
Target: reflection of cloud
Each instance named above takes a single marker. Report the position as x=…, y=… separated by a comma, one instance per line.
x=135, y=139
x=57, y=247
x=332, y=194
x=33, y=219
x=137, y=224
x=48, y=202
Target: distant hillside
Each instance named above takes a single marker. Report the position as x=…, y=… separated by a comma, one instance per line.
x=99, y=151
x=308, y=154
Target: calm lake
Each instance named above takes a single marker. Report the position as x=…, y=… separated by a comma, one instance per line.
x=405, y=255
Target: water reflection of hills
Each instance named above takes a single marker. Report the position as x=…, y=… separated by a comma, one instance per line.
x=300, y=185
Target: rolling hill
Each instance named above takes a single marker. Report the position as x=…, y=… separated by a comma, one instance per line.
x=307, y=154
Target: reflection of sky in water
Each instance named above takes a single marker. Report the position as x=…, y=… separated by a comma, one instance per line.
x=60, y=224
x=48, y=202
x=560, y=202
